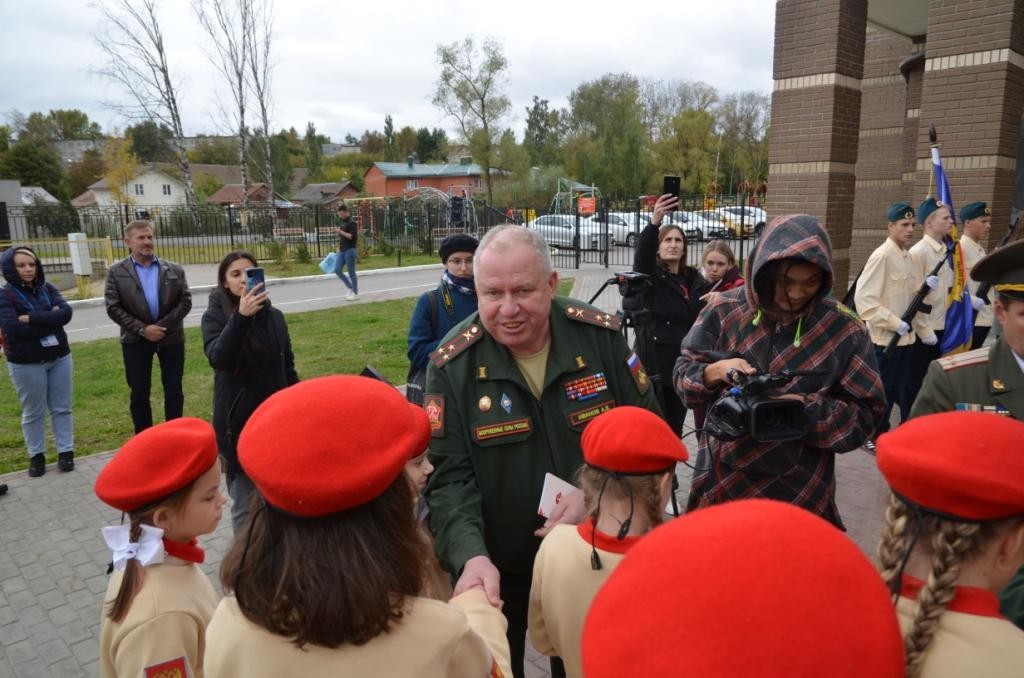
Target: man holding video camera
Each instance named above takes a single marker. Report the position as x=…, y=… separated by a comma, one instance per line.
x=783, y=323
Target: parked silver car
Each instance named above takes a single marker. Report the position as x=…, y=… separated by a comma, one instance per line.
x=698, y=226
x=559, y=230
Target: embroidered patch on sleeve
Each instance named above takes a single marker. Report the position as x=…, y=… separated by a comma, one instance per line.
x=636, y=370
x=433, y=405
x=175, y=668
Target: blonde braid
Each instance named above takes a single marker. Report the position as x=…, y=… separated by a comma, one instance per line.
x=950, y=543
x=892, y=549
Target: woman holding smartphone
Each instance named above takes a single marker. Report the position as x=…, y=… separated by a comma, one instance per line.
x=247, y=343
x=673, y=299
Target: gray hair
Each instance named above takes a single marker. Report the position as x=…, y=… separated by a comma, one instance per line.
x=138, y=225
x=502, y=238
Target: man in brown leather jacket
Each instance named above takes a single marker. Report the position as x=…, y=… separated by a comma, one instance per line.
x=149, y=298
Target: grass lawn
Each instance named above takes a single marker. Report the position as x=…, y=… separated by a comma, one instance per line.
x=367, y=263
x=332, y=341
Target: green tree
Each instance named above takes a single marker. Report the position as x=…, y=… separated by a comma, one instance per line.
x=373, y=143
x=314, y=152
x=406, y=143
x=687, y=149
x=122, y=167
x=348, y=167
x=207, y=185
x=280, y=163
x=5, y=138
x=543, y=133
x=215, y=151
x=390, y=154
x=606, y=138
x=151, y=142
x=32, y=162
x=431, y=145
x=85, y=172
x=349, y=139
x=74, y=124
x=470, y=91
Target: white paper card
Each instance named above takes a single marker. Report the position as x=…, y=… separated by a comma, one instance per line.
x=554, y=492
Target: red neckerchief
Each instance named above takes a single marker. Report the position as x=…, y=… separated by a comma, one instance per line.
x=605, y=542
x=189, y=552
x=966, y=599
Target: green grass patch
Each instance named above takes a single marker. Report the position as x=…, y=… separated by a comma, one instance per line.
x=331, y=341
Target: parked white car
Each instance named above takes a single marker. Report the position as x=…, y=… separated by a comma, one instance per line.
x=559, y=230
x=623, y=227
x=698, y=226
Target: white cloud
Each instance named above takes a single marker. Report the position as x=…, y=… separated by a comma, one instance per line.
x=346, y=65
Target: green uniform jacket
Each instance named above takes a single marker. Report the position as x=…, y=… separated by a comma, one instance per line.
x=995, y=381
x=493, y=441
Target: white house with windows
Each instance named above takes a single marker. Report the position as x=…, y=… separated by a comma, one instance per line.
x=150, y=188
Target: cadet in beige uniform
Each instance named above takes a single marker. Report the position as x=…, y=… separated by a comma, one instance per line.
x=955, y=521
x=326, y=580
x=977, y=220
x=885, y=289
x=630, y=455
x=937, y=221
x=167, y=480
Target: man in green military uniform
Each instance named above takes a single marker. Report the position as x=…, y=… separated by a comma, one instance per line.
x=988, y=379
x=508, y=394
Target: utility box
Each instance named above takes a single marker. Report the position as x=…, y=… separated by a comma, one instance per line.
x=81, y=263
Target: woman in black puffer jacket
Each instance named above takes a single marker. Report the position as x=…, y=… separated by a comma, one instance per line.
x=247, y=344
x=32, y=317
x=673, y=300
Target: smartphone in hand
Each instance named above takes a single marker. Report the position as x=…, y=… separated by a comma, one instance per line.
x=254, y=276
x=671, y=185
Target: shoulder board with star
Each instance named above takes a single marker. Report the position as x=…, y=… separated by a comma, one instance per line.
x=592, y=317
x=456, y=345
x=978, y=356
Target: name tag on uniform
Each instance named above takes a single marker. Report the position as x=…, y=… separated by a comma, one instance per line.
x=50, y=341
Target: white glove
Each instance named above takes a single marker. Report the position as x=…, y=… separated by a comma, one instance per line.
x=930, y=341
x=903, y=329
x=977, y=302
x=932, y=281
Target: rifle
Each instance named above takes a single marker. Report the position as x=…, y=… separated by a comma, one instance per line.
x=1018, y=205
x=915, y=306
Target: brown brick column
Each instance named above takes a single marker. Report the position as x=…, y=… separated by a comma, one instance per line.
x=818, y=67
x=973, y=91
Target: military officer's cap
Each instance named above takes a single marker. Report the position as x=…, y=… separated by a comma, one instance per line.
x=1004, y=268
x=973, y=210
x=957, y=465
x=899, y=211
x=926, y=208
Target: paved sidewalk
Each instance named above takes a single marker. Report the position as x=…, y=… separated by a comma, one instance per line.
x=53, y=561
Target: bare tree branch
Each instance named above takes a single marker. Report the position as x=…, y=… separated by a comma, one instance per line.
x=258, y=40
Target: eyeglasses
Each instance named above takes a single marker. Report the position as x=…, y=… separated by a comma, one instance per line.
x=458, y=261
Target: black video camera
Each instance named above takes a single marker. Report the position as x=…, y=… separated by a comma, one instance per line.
x=633, y=287
x=745, y=409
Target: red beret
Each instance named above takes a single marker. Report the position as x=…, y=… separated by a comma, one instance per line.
x=156, y=463
x=631, y=440
x=769, y=590
x=962, y=464
x=421, y=423
x=328, y=444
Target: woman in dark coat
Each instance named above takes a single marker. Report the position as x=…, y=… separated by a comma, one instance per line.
x=32, y=318
x=247, y=343
x=673, y=300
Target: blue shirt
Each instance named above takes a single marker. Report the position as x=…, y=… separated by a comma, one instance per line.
x=149, y=276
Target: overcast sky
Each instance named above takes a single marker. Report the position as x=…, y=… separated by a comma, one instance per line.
x=345, y=65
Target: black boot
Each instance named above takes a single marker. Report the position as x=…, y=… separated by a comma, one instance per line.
x=66, y=461
x=37, y=465
x=3, y=488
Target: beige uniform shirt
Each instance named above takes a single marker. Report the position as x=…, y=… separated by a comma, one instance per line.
x=972, y=253
x=165, y=626
x=461, y=639
x=884, y=292
x=969, y=645
x=925, y=253
x=564, y=584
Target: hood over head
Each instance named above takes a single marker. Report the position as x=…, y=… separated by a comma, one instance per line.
x=11, y=274
x=798, y=237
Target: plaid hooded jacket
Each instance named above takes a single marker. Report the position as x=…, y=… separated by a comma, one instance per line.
x=843, y=405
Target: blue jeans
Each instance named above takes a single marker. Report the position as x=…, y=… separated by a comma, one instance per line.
x=347, y=259
x=42, y=386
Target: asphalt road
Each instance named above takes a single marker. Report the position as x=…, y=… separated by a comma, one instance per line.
x=291, y=296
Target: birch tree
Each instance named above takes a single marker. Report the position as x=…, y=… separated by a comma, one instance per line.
x=257, y=41
x=136, y=60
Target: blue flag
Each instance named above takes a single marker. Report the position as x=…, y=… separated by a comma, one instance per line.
x=959, y=312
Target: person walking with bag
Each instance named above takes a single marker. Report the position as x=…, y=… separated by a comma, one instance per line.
x=32, y=318
x=348, y=233
x=441, y=309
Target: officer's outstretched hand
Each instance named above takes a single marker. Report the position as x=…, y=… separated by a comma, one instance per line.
x=480, y=571
x=571, y=510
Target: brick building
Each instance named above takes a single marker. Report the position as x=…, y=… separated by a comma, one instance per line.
x=856, y=83
x=394, y=178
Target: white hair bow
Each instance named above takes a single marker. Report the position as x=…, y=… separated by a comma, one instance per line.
x=148, y=550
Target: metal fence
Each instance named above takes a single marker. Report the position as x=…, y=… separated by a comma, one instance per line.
x=606, y=236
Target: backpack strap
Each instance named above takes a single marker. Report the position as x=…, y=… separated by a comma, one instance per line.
x=432, y=298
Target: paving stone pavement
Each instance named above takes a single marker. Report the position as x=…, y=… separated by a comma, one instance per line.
x=53, y=560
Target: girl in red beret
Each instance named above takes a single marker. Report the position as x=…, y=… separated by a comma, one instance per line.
x=953, y=539
x=167, y=480
x=630, y=456
x=326, y=577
